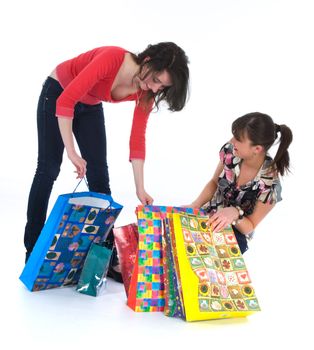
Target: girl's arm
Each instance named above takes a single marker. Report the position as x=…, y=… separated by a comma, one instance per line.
x=65, y=126
x=226, y=216
x=138, y=172
x=249, y=223
x=209, y=190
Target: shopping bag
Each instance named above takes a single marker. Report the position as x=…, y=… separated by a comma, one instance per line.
x=76, y=220
x=146, y=291
x=212, y=275
x=126, y=241
x=94, y=270
x=174, y=306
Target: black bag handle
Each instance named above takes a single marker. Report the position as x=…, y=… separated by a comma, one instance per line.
x=86, y=183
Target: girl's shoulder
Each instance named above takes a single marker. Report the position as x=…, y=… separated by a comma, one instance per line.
x=226, y=155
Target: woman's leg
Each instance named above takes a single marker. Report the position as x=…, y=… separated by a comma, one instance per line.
x=50, y=151
x=90, y=133
x=242, y=241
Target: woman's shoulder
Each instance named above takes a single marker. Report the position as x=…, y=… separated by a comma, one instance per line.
x=227, y=147
x=226, y=154
x=269, y=183
x=269, y=171
x=110, y=50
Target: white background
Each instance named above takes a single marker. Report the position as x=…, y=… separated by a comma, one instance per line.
x=245, y=56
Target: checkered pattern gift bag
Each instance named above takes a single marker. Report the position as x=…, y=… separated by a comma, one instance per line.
x=209, y=278
x=146, y=291
x=76, y=220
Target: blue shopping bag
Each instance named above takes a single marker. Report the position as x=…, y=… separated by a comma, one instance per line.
x=76, y=220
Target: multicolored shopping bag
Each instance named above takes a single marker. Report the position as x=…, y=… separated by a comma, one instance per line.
x=146, y=292
x=210, y=272
x=174, y=306
x=126, y=242
x=76, y=220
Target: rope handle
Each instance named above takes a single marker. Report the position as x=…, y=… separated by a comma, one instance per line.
x=80, y=183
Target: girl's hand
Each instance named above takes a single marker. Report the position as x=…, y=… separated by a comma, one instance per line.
x=144, y=197
x=79, y=163
x=222, y=218
x=191, y=205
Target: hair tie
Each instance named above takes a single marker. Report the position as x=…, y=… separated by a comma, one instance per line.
x=277, y=128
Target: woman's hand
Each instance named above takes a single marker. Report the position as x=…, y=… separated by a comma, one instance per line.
x=79, y=163
x=191, y=205
x=222, y=218
x=138, y=171
x=144, y=197
x=65, y=126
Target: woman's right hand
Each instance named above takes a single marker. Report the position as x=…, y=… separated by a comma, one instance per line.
x=79, y=163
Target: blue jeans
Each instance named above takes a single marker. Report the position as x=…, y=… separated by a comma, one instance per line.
x=242, y=241
x=90, y=134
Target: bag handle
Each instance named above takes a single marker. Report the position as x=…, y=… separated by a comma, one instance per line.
x=86, y=183
x=80, y=183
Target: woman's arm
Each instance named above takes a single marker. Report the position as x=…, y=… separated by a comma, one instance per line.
x=249, y=223
x=138, y=172
x=209, y=190
x=226, y=216
x=65, y=126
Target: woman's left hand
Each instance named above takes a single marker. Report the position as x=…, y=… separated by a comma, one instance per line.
x=222, y=218
x=144, y=197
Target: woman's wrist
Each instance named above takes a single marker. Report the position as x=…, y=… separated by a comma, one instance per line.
x=239, y=217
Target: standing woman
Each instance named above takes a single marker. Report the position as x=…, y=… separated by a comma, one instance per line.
x=70, y=105
x=246, y=185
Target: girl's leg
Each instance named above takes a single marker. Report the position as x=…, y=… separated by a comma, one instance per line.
x=50, y=151
x=242, y=241
x=90, y=133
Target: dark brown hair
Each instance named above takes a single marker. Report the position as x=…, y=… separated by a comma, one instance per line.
x=170, y=57
x=261, y=130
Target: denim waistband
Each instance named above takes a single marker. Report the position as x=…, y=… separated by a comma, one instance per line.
x=52, y=86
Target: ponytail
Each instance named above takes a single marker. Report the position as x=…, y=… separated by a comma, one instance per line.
x=282, y=159
x=261, y=130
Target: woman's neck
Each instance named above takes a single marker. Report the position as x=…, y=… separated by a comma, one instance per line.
x=131, y=71
x=254, y=162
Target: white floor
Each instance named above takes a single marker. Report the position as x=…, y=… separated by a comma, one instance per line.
x=245, y=56
x=64, y=318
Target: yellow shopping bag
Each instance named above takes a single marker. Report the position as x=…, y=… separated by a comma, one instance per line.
x=213, y=277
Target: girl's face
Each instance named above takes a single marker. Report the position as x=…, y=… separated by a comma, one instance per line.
x=243, y=148
x=155, y=81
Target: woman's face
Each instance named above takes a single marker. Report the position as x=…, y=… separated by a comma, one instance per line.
x=243, y=148
x=154, y=81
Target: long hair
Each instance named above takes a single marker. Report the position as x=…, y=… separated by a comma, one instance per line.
x=261, y=130
x=170, y=57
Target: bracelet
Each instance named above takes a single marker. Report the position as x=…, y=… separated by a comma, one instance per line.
x=240, y=217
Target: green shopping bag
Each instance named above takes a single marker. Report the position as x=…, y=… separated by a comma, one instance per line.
x=94, y=270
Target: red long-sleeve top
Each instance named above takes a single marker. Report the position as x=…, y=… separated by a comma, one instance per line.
x=88, y=78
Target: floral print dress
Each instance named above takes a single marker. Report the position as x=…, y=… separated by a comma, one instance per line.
x=264, y=187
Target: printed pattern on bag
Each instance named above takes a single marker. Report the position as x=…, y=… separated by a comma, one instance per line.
x=216, y=260
x=173, y=293
x=146, y=292
x=79, y=227
x=150, y=285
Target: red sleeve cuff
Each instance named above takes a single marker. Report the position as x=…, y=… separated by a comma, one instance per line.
x=137, y=155
x=65, y=112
